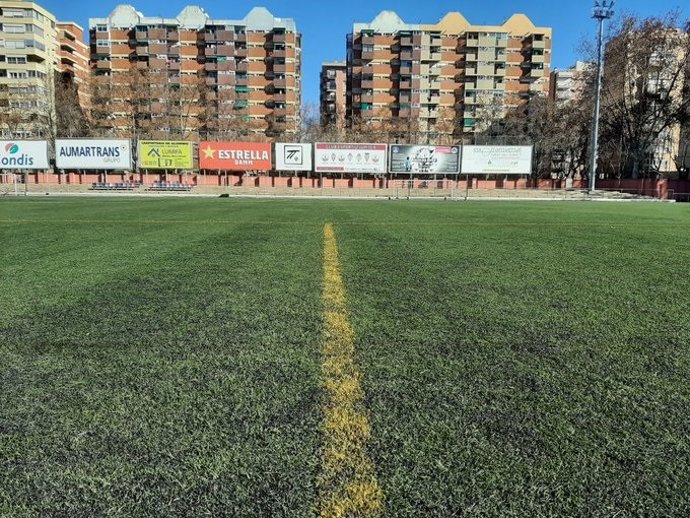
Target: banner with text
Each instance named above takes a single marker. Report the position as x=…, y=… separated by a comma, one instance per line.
x=235, y=156
x=93, y=154
x=293, y=157
x=497, y=160
x=425, y=159
x=350, y=158
x=23, y=154
x=165, y=154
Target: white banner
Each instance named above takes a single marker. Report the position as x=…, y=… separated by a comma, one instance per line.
x=496, y=160
x=350, y=158
x=93, y=154
x=293, y=157
x=23, y=154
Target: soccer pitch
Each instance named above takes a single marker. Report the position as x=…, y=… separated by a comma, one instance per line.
x=223, y=357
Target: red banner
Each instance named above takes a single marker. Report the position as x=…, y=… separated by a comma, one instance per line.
x=235, y=156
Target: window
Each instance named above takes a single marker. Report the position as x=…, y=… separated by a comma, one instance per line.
x=102, y=43
x=12, y=28
x=16, y=60
x=101, y=28
x=14, y=13
x=10, y=44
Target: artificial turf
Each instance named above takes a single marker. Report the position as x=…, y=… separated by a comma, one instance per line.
x=162, y=357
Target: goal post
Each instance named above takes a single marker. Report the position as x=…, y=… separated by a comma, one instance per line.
x=9, y=184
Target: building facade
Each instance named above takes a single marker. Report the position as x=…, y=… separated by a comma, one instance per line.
x=27, y=65
x=197, y=76
x=569, y=84
x=333, y=94
x=451, y=79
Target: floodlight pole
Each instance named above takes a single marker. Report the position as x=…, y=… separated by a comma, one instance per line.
x=603, y=10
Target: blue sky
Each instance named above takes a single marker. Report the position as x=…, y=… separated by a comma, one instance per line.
x=325, y=24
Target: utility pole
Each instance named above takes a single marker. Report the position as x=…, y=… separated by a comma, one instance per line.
x=603, y=10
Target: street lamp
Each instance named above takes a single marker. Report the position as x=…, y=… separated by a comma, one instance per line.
x=603, y=10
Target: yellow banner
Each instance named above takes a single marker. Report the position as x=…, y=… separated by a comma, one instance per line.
x=165, y=154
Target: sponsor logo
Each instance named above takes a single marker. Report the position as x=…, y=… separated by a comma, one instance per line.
x=293, y=155
x=108, y=154
x=14, y=158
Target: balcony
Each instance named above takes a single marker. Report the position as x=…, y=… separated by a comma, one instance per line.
x=278, y=53
x=157, y=34
x=142, y=50
x=103, y=64
x=487, y=41
x=173, y=36
x=487, y=55
x=536, y=72
x=226, y=66
x=141, y=36
x=223, y=50
x=279, y=68
x=470, y=100
x=537, y=58
x=406, y=85
x=241, y=67
x=280, y=83
x=280, y=112
x=538, y=44
x=240, y=52
x=367, y=98
x=367, y=55
x=158, y=48
x=470, y=57
x=470, y=71
x=367, y=40
x=280, y=98
x=210, y=67
x=173, y=65
x=406, y=41
x=277, y=38
x=367, y=83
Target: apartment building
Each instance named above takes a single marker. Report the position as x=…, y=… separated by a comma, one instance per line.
x=73, y=59
x=28, y=38
x=332, y=93
x=199, y=76
x=451, y=71
x=569, y=84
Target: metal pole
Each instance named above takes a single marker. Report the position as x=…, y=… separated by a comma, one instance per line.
x=602, y=11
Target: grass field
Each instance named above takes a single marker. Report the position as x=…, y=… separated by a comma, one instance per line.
x=164, y=357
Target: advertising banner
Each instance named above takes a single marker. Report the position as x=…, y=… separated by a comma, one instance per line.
x=425, y=159
x=350, y=158
x=293, y=157
x=164, y=154
x=23, y=154
x=235, y=156
x=497, y=160
x=93, y=154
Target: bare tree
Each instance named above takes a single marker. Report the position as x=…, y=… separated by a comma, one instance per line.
x=645, y=89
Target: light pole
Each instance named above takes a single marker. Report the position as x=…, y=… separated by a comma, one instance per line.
x=603, y=10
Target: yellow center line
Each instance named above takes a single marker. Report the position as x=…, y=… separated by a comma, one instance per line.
x=347, y=484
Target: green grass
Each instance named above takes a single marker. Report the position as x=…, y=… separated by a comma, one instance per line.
x=161, y=357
